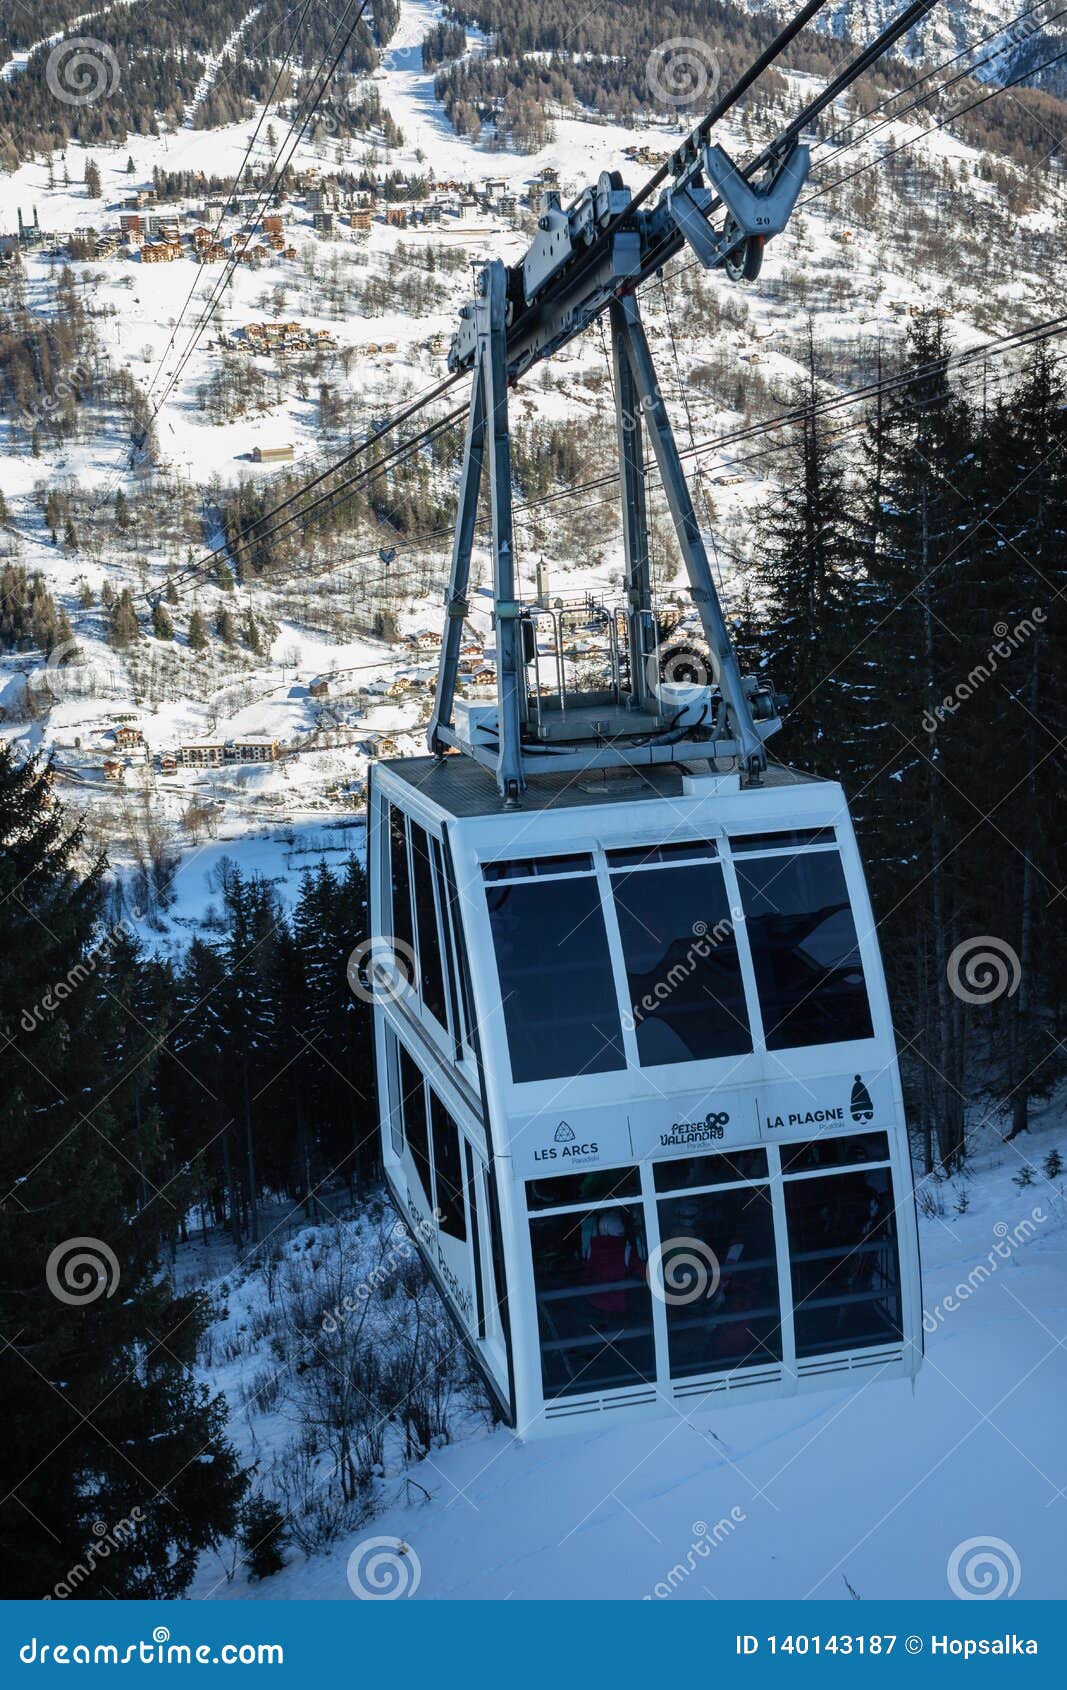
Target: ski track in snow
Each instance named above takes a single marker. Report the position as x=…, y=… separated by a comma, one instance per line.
x=215, y=61
x=17, y=63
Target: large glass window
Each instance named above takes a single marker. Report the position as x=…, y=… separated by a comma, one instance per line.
x=448, y=1169
x=686, y=1172
x=804, y=948
x=416, y=1125
x=599, y=1185
x=594, y=1307
x=430, y=940
x=834, y=1152
x=843, y=1255
x=682, y=970
x=556, y=982
x=403, y=929
x=719, y=1280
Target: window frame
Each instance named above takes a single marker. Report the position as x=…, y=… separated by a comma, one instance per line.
x=647, y=1204
x=710, y=845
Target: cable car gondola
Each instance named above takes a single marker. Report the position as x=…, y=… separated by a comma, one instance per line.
x=638, y=1085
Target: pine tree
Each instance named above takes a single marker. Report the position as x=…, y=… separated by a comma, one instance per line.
x=162, y=626
x=102, y=1415
x=124, y=628
x=915, y=538
x=224, y=627
x=92, y=179
x=804, y=574
x=198, y=635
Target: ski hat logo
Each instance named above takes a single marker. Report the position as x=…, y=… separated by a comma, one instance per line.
x=564, y=1134
x=861, y=1107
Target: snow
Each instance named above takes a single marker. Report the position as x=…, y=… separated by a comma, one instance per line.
x=820, y=1497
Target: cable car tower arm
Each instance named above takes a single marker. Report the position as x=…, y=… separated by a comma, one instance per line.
x=587, y=259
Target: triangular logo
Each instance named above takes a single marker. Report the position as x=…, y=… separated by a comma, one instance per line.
x=564, y=1134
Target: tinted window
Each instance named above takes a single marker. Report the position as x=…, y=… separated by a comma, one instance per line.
x=448, y=1168
x=460, y=987
x=597, y=1186
x=779, y=841
x=803, y=939
x=689, y=1171
x=416, y=1126
x=430, y=945
x=594, y=1308
x=643, y=854
x=474, y=1174
x=396, y=1108
x=556, y=984
x=720, y=1281
x=683, y=975
x=403, y=931
x=843, y=1254
x=834, y=1152
x=522, y=868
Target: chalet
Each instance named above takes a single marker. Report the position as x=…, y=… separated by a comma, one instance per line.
x=272, y=454
x=291, y=252
x=168, y=763
x=319, y=687
x=360, y=222
x=396, y=216
x=272, y=224
x=129, y=224
x=128, y=736
x=114, y=769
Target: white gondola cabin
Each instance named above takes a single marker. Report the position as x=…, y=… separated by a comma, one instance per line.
x=639, y=1089
x=639, y=1092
